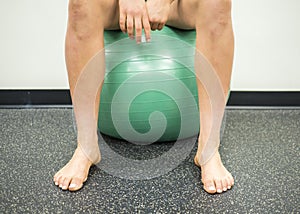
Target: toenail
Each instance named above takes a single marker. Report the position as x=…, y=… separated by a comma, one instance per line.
x=224, y=189
x=211, y=188
x=64, y=187
x=56, y=183
x=72, y=185
x=229, y=187
x=60, y=185
x=219, y=190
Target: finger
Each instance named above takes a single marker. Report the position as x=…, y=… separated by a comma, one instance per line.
x=160, y=26
x=147, y=27
x=129, y=23
x=138, y=29
x=122, y=22
x=154, y=26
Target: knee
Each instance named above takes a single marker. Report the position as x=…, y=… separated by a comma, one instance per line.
x=217, y=16
x=79, y=19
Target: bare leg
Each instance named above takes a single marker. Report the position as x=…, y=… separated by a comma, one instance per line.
x=215, y=41
x=84, y=38
x=212, y=20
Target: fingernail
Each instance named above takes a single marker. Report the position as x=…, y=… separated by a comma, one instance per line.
x=72, y=185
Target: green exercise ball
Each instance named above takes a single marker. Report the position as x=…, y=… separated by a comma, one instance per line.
x=157, y=73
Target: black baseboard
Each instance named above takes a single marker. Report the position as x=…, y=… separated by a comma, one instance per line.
x=259, y=98
x=34, y=97
x=62, y=97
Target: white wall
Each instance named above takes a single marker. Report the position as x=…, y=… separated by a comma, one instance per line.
x=32, y=44
x=267, y=53
x=267, y=36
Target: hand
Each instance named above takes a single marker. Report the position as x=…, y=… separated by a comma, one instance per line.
x=158, y=12
x=134, y=16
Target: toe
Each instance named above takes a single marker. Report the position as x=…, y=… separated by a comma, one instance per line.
x=209, y=186
x=57, y=176
x=224, y=184
x=76, y=184
x=55, y=180
x=65, y=183
x=60, y=181
x=219, y=187
x=230, y=181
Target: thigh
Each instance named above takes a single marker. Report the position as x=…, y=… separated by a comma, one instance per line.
x=183, y=14
x=110, y=9
x=187, y=14
x=91, y=14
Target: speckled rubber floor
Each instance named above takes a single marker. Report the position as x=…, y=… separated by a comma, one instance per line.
x=260, y=148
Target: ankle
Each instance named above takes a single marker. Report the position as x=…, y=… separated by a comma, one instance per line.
x=92, y=155
x=203, y=159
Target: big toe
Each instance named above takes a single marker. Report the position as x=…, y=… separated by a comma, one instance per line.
x=209, y=186
x=76, y=184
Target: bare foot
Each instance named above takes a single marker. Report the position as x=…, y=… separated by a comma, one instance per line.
x=74, y=173
x=214, y=175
